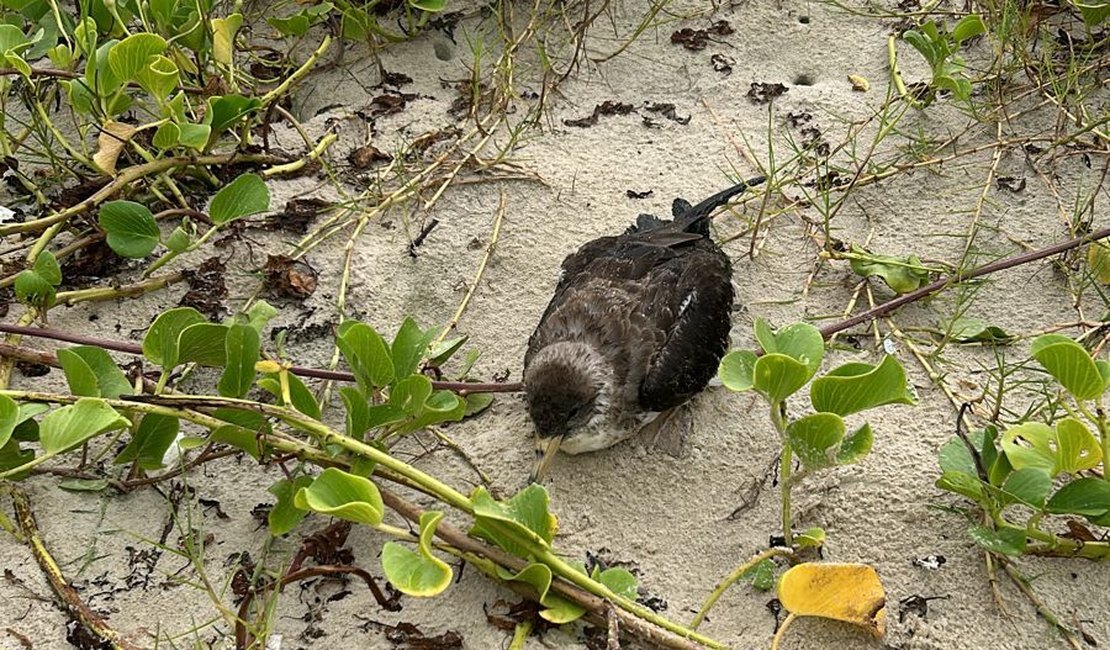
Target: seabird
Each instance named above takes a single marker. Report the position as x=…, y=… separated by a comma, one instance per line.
x=637, y=326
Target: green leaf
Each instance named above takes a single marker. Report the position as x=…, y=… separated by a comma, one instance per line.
x=303, y=399
x=223, y=37
x=973, y=330
x=367, y=355
x=285, y=516
x=153, y=438
x=902, y=274
x=430, y=6
x=799, y=341
x=160, y=343
x=762, y=575
x=1007, y=540
x=954, y=457
x=346, y=496
x=410, y=393
x=159, y=77
x=971, y=25
x=814, y=438
x=1098, y=253
x=91, y=372
x=167, y=136
x=921, y=44
x=242, y=346
x=811, y=538
x=194, y=136
x=12, y=38
x=1029, y=486
x=131, y=56
x=476, y=403
x=69, y=426
x=518, y=525
x=1087, y=496
x=1068, y=447
x=244, y=196
x=179, y=240
x=419, y=573
x=409, y=347
x=381, y=415
x=557, y=609
x=240, y=438
x=1094, y=12
x=225, y=112
x=441, y=406
x=962, y=483
x=36, y=286
x=259, y=315
x=34, y=290
x=1069, y=364
x=9, y=414
x=357, y=408
x=203, y=343
x=439, y=355
x=132, y=231
x=737, y=370
x=101, y=80
x=855, y=387
x=84, y=484
x=619, y=581
x=855, y=446
x=779, y=376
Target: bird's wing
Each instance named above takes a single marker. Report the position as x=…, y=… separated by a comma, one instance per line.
x=591, y=274
x=690, y=301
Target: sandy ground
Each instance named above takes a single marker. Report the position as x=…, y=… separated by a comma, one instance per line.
x=666, y=516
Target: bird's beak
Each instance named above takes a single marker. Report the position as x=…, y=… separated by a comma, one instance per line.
x=545, y=453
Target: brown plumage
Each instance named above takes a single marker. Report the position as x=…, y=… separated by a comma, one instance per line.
x=637, y=326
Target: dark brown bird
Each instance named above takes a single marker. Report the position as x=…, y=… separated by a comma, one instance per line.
x=637, y=326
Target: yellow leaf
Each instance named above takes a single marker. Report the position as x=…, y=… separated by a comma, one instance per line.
x=843, y=592
x=113, y=137
x=859, y=83
x=1098, y=258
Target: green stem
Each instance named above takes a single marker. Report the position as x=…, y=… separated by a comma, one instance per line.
x=778, y=418
x=520, y=634
x=572, y=575
x=733, y=577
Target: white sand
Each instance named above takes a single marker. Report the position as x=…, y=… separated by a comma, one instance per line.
x=666, y=515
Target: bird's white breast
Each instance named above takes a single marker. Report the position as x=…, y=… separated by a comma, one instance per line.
x=604, y=432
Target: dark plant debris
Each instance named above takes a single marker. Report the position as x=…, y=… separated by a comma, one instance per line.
x=207, y=290
x=410, y=637
x=722, y=63
x=32, y=369
x=608, y=107
x=916, y=604
x=366, y=156
x=696, y=40
x=1010, y=184
x=761, y=93
x=930, y=562
x=286, y=277
x=667, y=111
x=632, y=194
x=297, y=215
x=421, y=236
x=91, y=263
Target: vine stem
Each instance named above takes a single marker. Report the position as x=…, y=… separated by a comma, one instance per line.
x=731, y=579
x=778, y=418
x=635, y=617
x=931, y=288
x=779, y=633
x=126, y=178
x=461, y=387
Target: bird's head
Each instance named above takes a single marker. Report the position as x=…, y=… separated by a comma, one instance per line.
x=566, y=386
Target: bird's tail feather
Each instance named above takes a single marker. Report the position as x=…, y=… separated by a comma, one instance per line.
x=694, y=218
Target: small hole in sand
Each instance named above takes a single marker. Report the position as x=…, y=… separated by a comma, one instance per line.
x=803, y=80
x=803, y=20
